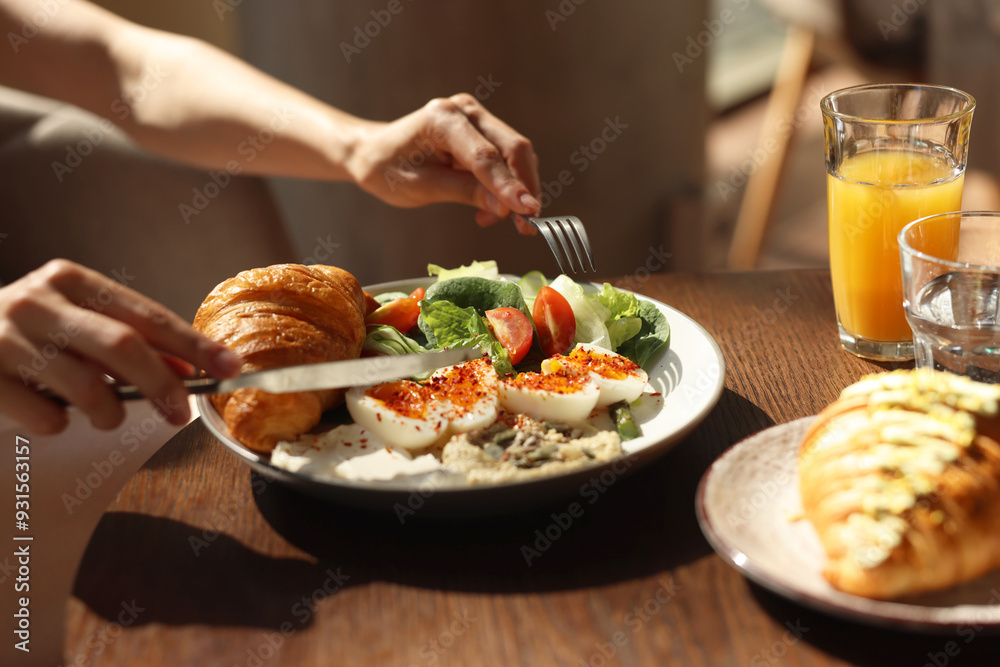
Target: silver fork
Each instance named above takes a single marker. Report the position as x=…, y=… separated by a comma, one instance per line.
x=563, y=234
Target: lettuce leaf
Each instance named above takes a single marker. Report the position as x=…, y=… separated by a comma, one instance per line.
x=623, y=329
x=624, y=322
x=531, y=283
x=476, y=292
x=616, y=320
x=619, y=302
x=487, y=269
x=590, y=314
x=386, y=297
x=387, y=340
x=653, y=336
x=448, y=325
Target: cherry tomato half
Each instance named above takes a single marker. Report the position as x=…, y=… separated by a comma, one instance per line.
x=401, y=313
x=513, y=329
x=554, y=320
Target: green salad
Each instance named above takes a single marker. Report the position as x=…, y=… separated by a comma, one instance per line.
x=518, y=323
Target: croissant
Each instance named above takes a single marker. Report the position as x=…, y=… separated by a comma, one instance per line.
x=900, y=477
x=278, y=316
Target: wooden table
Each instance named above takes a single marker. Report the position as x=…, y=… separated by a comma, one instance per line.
x=200, y=562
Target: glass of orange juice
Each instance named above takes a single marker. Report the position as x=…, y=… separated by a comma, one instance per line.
x=894, y=153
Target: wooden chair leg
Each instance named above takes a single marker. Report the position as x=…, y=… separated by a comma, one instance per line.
x=758, y=199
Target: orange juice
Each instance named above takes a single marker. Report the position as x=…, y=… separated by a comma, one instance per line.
x=876, y=194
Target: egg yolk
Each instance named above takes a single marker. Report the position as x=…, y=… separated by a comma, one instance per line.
x=403, y=397
x=613, y=367
x=557, y=383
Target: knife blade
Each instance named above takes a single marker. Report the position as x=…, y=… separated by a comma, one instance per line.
x=312, y=377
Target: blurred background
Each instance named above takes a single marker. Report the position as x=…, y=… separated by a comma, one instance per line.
x=686, y=135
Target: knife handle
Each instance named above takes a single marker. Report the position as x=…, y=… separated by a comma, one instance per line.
x=127, y=392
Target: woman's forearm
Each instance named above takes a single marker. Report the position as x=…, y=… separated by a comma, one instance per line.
x=176, y=96
x=191, y=101
x=183, y=99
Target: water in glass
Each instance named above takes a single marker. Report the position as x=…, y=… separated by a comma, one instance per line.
x=956, y=325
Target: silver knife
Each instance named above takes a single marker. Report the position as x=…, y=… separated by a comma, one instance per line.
x=312, y=377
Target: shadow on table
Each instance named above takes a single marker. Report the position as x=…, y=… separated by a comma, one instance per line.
x=615, y=527
x=876, y=646
x=187, y=575
x=637, y=524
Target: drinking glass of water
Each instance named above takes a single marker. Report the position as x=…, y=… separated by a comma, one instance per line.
x=951, y=292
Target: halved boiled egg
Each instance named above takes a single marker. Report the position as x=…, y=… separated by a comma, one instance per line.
x=400, y=413
x=414, y=415
x=618, y=378
x=555, y=397
x=469, y=394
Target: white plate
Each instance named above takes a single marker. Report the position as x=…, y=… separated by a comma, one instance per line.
x=689, y=377
x=748, y=503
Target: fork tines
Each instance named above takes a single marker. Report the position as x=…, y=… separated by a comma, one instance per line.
x=563, y=233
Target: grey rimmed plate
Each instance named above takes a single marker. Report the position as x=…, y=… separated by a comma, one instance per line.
x=688, y=378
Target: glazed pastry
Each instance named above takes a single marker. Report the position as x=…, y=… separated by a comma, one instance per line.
x=900, y=477
x=278, y=316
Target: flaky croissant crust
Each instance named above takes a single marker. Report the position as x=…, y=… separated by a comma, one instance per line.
x=276, y=316
x=901, y=480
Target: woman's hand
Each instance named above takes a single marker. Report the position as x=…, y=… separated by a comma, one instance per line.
x=66, y=327
x=453, y=150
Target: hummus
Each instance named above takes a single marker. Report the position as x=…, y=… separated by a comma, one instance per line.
x=512, y=449
x=517, y=448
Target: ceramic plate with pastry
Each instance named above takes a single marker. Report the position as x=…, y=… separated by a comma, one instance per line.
x=339, y=454
x=885, y=507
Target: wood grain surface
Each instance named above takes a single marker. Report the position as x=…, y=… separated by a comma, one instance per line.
x=201, y=562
